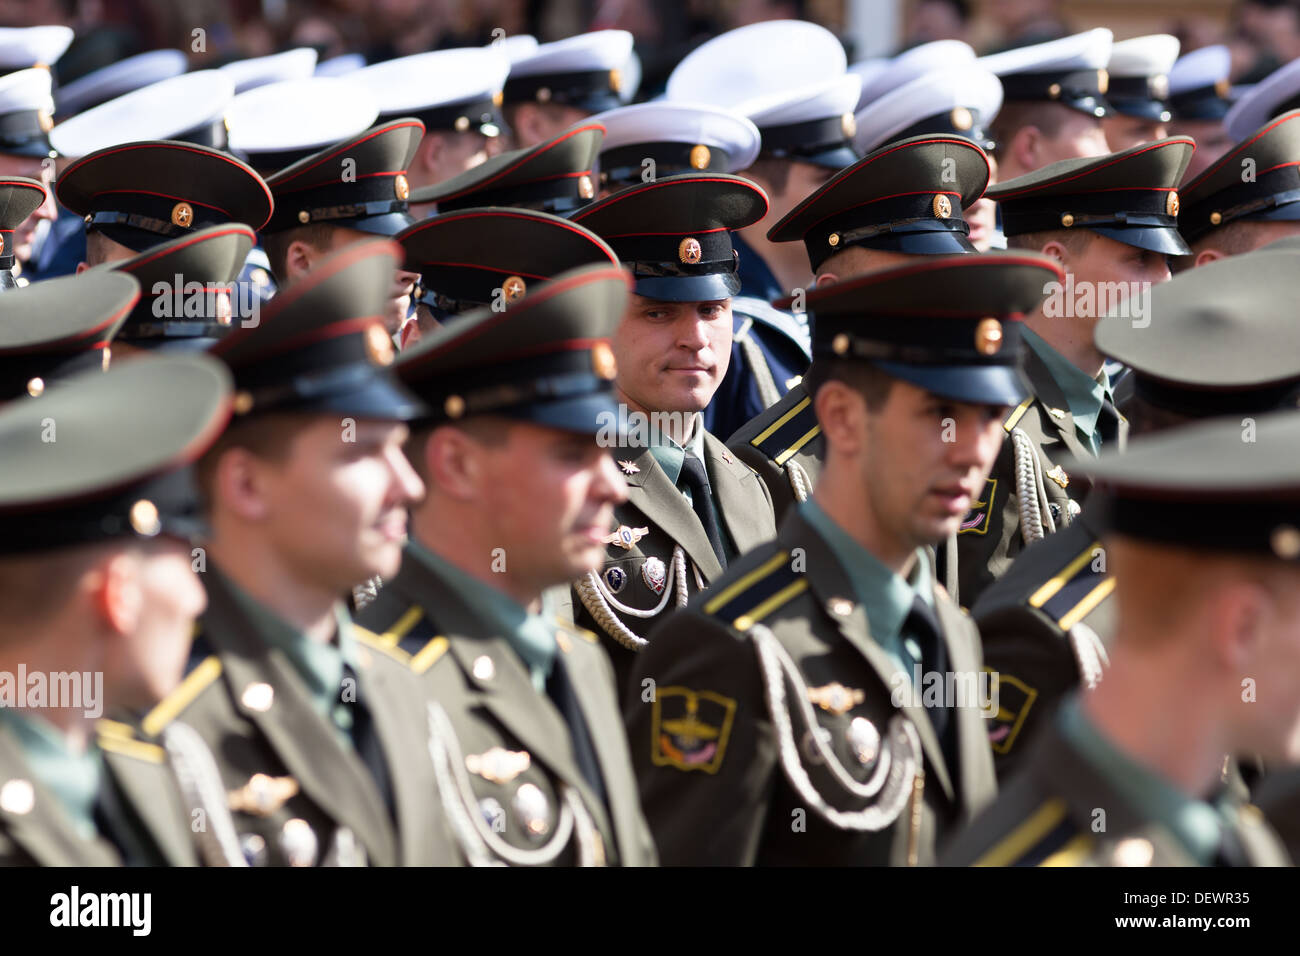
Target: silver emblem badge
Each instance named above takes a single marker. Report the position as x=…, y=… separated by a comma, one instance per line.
x=654, y=574
x=531, y=808
x=864, y=740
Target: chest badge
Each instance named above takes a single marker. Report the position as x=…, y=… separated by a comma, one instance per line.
x=626, y=537
x=654, y=574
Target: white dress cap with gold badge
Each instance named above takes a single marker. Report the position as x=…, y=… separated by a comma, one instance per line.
x=413, y=85
x=167, y=110
x=340, y=65
x=548, y=73
x=912, y=65
x=679, y=137
x=1139, y=76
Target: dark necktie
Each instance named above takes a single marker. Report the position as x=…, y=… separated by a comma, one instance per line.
x=366, y=739
x=559, y=687
x=696, y=480
x=922, y=625
x=1108, y=425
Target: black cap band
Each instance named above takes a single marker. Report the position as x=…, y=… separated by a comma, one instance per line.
x=592, y=90
x=915, y=340
x=479, y=115
x=806, y=139
x=624, y=165
x=1261, y=199
x=1080, y=90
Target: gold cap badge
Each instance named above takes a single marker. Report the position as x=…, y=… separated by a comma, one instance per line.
x=840, y=344
x=689, y=251
x=602, y=361
x=401, y=187
x=35, y=386
x=961, y=118
x=304, y=216
x=585, y=188
x=1067, y=220
x=1285, y=542
x=1103, y=81
x=942, y=206
x=700, y=156
x=144, y=518
x=988, y=336
x=454, y=406
x=378, y=345
x=513, y=288
x=461, y=124
x=848, y=125
x=182, y=214
x=1171, y=202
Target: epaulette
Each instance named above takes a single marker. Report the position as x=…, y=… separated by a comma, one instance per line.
x=571, y=628
x=1073, y=591
x=1046, y=837
x=785, y=436
x=170, y=707
x=119, y=738
x=755, y=595
x=1017, y=413
x=418, y=650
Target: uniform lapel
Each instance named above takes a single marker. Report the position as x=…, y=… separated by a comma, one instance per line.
x=978, y=786
x=831, y=583
x=329, y=773
x=735, y=489
x=600, y=710
x=151, y=787
x=45, y=831
x=650, y=492
x=1056, y=409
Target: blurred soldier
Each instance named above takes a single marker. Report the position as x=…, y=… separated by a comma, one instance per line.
x=1247, y=198
x=1138, y=90
x=520, y=496
x=1205, y=661
x=1216, y=346
x=98, y=598
x=1110, y=222
x=1199, y=99
x=780, y=719
x=1054, y=101
x=318, y=730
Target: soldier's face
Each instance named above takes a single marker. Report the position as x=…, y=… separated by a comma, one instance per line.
x=549, y=498
x=335, y=507
x=924, y=461
x=1113, y=271
x=1125, y=131
x=672, y=355
x=171, y=597
x=1212, y=141
x=1079, y=135
x=399, y=294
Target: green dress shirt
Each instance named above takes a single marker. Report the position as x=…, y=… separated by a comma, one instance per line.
x=1085, y=396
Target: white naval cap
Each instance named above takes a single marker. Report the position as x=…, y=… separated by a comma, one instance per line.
x=1272, y=96
x=260, y=70
x=516, y=47
x=679, y=137
x=1199, y=88
x=809, y=117
x=1139, y=76
x=23, y=47
x=866, y=71
x=25, y=108
x=586, y=71
x=449, y=90
x=189, y=107
x=116, y=79
x=913, y=64
x=1071, y=71
x=340, y=65
x=274, y=126
x=961, y=99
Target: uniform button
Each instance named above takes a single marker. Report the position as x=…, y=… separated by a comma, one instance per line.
x=17, y=797
x=258, y=696
x=840, y=607
x=1134, y=851
x=483, y=668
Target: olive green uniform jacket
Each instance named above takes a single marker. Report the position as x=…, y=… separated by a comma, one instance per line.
x=736, y=764
x=298, y=792
x=571, y=752
x=671, y=558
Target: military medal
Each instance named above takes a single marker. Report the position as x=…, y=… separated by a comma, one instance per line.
x=654, y=574
x=625, y=537
x=864, y=740
x=836, y=698
x=498, y=765
x=531, y=807
x=615, y=579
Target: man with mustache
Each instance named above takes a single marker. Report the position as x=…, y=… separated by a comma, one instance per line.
x=319, y=732
x=692, y=506
x=520, y=497
x=784, y=718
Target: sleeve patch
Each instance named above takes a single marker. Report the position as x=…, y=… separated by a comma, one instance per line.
x=689, y=729
x=1014, y=698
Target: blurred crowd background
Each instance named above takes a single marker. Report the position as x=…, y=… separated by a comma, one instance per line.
x=1262, y=34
